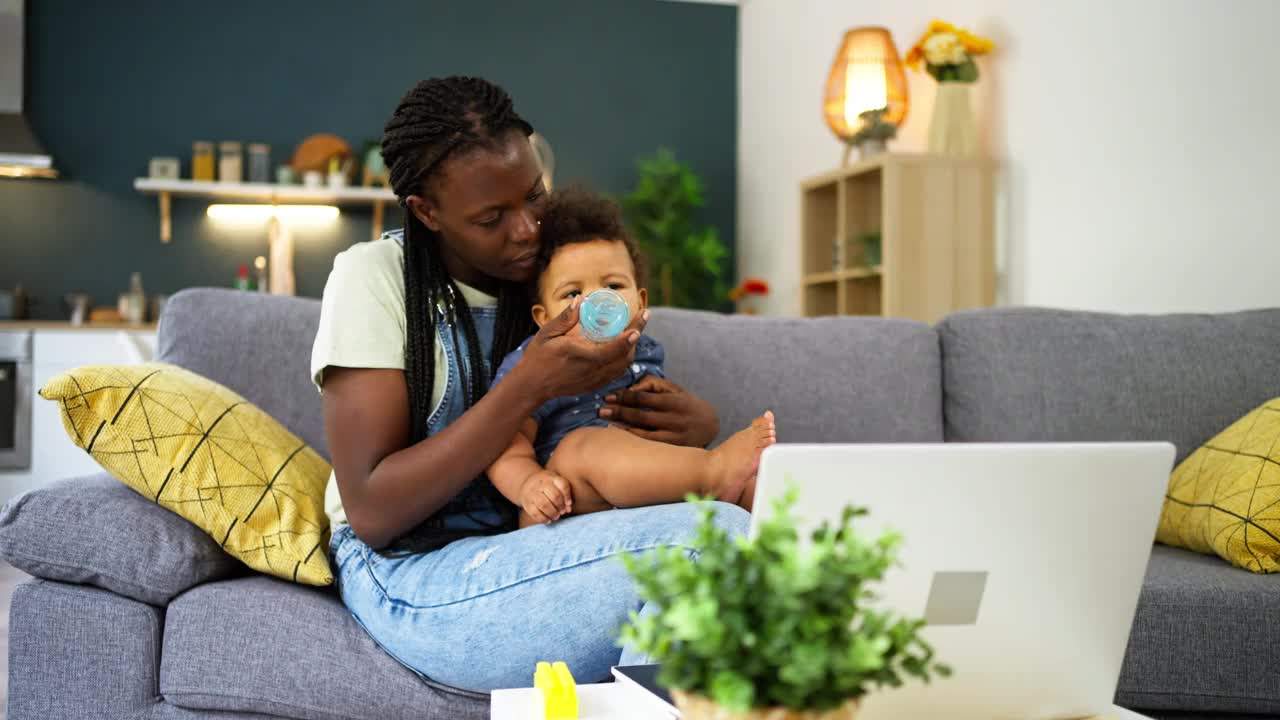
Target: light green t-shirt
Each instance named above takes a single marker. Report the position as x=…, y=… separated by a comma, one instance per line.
x=362, y=324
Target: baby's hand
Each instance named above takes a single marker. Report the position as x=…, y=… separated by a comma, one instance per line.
x=545, y=496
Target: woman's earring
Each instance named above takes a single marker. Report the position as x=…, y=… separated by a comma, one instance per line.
x=539, y=223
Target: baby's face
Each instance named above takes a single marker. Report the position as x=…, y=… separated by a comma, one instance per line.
x=581, y=269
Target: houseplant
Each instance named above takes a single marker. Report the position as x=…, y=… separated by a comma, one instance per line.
x=771, y=624
x=873, y=137
x=947, y=53
x=686, y=259
x=870, y=242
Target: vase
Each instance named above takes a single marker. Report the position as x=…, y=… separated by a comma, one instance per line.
x=697, y=707
x=952, y=130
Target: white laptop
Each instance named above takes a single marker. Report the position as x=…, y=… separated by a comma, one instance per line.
x=1025, y=559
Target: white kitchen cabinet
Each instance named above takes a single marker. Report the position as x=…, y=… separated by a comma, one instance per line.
x=53, y=455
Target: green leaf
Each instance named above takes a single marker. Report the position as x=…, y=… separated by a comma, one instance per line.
x=966, y=71
x=867, y=653
x=732, y=691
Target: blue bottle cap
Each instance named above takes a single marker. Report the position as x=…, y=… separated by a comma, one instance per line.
x=603, y=315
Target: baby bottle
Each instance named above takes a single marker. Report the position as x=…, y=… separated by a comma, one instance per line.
x=604, y=314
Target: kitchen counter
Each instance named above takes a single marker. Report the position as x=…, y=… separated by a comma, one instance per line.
x=65, y=325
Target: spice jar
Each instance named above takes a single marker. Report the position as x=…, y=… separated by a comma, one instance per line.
x=202, y=160
x=230, y=162
x=259, y=163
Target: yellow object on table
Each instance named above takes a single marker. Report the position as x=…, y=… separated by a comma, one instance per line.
x=559, y=691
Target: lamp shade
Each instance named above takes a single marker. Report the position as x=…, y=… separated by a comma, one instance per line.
x=866, y=75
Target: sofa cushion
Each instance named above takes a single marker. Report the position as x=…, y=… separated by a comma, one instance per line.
x=1204, y=638
x=95, y=531
x=826, y=379
x=1226, y=488
x=193, y=446
x=261, y=645
x=257, y=345
x=1021, y=374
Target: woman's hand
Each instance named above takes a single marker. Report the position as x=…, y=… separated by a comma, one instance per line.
x=655, y=408
x=559, y=361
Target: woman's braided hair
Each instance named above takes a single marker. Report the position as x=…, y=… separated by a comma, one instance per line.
x=435, y=120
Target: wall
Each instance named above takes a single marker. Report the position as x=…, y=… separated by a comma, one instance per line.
x=1137, y=140
x=111, y=85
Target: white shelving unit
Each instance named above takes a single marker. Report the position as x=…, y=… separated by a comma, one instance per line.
x=264, y=193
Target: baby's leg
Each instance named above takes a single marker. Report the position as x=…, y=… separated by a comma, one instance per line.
x=627, y=471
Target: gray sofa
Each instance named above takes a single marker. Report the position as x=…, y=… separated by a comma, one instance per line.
x=133, y=613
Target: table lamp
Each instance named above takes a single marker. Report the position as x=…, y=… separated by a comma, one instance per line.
x=866, y=97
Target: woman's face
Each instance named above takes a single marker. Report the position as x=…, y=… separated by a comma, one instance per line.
x=486, y=205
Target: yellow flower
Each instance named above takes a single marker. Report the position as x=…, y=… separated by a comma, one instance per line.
x=954, y=47
x=944, y=49
x=913, y=58
x=974, y=44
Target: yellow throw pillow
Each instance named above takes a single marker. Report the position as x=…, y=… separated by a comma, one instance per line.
x=1225, y=497
x=202, y=451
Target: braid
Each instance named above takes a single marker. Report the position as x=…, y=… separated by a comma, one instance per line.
x=514, y=323
x=436, y=119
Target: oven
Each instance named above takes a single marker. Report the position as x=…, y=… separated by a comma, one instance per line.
x=15, y=400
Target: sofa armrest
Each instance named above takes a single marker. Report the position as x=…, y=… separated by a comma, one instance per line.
x=95, y=531
x=79, y=652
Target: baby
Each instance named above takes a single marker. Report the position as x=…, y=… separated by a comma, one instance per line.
x=566, y=459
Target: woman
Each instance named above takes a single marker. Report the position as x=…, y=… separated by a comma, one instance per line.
x=428, y=559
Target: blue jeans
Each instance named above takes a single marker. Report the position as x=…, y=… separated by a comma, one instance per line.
x=480, y=613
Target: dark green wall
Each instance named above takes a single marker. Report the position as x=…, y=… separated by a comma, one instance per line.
x=112, y=84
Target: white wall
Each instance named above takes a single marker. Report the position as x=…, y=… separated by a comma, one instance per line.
x=1140, y=141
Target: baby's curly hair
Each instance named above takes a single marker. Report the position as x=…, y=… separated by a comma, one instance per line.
x=576, y=214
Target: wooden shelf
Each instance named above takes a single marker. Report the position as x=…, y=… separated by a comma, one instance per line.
x=263, y=193
x=877, y=163
x=862, y=273
x=859, y=273
x=935, y=217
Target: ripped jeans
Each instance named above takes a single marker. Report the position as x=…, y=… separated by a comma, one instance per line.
x=480, y=613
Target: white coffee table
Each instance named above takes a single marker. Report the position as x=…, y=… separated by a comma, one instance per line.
x=605, y=701
x=611, y=701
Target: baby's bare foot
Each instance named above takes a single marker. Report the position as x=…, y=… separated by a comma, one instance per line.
x=749, y=492
x=733, y=465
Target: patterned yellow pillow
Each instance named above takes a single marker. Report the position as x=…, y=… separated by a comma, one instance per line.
x=202, y=451
x=1225, y=497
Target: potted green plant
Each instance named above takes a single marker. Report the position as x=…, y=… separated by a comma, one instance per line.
x=870, y=242
x=873, y=137
x=773, y=627
x=685, y=257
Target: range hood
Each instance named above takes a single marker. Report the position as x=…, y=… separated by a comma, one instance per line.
x=21, y=154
